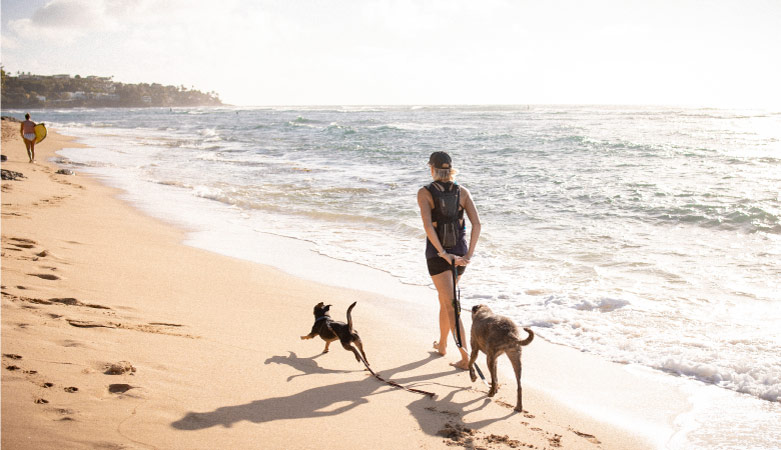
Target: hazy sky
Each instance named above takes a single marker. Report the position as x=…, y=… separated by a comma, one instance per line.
x=343, y=52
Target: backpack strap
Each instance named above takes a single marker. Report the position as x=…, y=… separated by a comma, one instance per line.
x=437, y=190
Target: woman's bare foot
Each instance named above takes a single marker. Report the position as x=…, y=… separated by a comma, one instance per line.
x=440, y=348
x=462, y=365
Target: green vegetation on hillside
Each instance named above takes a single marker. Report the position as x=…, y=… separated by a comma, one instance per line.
x=65, y=91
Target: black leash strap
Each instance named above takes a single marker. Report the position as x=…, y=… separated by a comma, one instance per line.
x=395, y=384
x=457, y=306
x=457, y=309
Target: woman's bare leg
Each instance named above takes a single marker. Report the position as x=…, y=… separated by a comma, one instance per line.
x=444, y=284
x=29, y=146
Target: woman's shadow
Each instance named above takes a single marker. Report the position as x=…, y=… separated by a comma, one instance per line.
x=313, y=402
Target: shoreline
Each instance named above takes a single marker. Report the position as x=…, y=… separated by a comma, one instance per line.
x=172, y=271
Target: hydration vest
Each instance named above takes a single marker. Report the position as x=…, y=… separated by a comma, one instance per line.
x=446, y=213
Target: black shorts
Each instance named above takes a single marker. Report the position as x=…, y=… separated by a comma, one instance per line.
x=438, y=265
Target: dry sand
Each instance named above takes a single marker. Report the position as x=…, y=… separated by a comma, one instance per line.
x=116, y=335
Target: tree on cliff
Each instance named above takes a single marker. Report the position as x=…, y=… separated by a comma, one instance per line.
x=62, y=91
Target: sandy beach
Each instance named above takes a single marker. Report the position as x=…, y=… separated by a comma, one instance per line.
x=117, y=335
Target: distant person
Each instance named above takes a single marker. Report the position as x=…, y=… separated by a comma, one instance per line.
x=446, y=246
x=28, y=135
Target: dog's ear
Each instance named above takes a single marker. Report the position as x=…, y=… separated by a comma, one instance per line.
x=475, y=308
x=319, y=305
x=327, y=307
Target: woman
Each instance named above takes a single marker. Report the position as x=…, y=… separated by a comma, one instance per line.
x=438, y=224
x=28, y=136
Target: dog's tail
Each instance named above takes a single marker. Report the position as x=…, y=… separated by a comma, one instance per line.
x=350, y=317
x=529, y=339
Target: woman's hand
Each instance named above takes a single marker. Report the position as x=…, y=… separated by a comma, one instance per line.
x=451, y=259
x=460, y=261
x=454, y=260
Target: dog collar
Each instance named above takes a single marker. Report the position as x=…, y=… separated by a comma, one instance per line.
x=321, y=318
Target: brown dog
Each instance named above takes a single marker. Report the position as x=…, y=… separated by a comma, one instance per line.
x=493, y=335
x=330, y=330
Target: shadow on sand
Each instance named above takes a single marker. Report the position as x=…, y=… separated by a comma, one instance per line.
x=317, y=402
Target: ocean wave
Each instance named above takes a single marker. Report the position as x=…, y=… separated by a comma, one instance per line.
x=344, y=129
x=346, y=190
x=748, y=366
x=300, y=120
x=601, y=144
x=407, y=126
x=735, y=217
x=602, y=304
x=758, y=380
x=83, y=164
x=174, y=183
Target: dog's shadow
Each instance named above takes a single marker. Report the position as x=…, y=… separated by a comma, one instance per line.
x=315, y=402
x=306, y=366
x=431, y=414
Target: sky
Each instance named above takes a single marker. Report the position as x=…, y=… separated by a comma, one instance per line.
x=718, y=53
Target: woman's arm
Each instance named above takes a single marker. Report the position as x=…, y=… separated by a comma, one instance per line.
x=474, y=219
x=426, y=204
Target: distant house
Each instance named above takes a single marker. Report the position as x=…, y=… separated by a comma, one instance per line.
x=107, y=97
x=63, y=76
x=41, y=98
x=146, y=99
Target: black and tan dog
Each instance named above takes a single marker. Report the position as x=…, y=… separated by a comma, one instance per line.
x=330, y=330
x=493, y=335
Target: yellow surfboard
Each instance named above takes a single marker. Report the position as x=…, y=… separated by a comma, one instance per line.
x=40, y=132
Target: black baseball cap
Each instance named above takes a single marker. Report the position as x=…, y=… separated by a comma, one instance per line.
x=440, y=160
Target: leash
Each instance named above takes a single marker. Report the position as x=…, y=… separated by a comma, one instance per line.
x=390, y=382
x=395, y=384
x=457, y=310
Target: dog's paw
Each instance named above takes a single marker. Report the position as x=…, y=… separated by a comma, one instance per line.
x=305, y=337
x=472, y=376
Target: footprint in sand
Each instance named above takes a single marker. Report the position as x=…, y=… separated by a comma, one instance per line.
x=24, y=241
x=45, y=276
x=87, y=324
x=119, y=388
x=119, y=368
x=71, y=389
x=66, y=413
x=589, y=437
x=70, y=301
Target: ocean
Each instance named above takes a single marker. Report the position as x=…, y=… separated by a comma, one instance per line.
x=643, y=235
